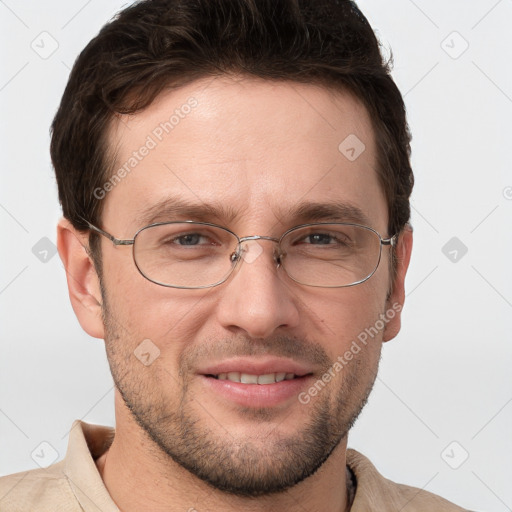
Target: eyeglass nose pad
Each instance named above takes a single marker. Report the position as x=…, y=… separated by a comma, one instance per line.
x=278, y=257
x=235, y=256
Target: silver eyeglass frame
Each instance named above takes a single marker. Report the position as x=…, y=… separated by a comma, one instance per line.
x=237, y=255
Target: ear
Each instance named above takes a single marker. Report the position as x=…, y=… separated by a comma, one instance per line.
x=396, y=299
x=83, y=282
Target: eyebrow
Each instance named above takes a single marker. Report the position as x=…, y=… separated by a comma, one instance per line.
x=330, y=211
x=178, y=208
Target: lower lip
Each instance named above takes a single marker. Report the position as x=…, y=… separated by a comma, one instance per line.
x=257, y=395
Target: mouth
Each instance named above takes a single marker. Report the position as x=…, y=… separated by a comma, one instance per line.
x=248, y=378
x=256, y=382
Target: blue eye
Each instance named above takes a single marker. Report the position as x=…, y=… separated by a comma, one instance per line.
x=320, y=239
x=189, y=239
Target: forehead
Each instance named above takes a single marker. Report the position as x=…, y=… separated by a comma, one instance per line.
x=252, y=151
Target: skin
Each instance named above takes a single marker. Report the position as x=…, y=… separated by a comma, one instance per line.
x=258, y=147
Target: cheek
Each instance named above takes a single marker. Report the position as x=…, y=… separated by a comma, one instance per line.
x=342, y=314
x=170, y=318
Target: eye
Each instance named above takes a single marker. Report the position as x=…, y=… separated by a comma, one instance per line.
x=176, y=239
x=189, y=239
x=330, y=238
x=320, y=239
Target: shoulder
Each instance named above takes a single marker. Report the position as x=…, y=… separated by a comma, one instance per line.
x=376, y=492
x=41, y=490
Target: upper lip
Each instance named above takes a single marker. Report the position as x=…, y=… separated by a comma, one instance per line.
x=254, y=366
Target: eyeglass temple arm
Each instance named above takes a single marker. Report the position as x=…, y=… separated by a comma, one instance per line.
x=113, y=239
x=389, y=241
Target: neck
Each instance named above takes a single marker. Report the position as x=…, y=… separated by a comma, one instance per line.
x=138, y=476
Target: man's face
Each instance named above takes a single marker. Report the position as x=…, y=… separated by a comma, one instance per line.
x=252, y=150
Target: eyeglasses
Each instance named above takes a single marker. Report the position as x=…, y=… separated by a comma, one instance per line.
x=191, y=255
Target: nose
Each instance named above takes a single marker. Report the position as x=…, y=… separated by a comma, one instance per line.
x=257, y=298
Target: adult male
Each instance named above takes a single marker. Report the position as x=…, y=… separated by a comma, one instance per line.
x=234, y=177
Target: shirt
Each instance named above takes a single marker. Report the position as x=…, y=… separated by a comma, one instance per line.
x=74, y=484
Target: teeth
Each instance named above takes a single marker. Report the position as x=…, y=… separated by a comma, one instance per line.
x=246, y=378
x=267, y=379
x=233, y=376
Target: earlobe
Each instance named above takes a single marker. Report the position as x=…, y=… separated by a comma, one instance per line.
x=83, y=282
x=396, y=299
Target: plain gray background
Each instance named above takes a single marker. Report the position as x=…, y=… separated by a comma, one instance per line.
x=440, y=415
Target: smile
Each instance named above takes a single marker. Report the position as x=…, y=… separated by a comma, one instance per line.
x=247, y=378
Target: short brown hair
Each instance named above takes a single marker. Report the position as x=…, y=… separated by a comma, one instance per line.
x=159, y=44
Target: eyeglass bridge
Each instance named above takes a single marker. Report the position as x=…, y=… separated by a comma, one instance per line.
x=237, y=255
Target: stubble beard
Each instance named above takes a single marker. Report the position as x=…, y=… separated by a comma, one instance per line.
x=250, y=466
